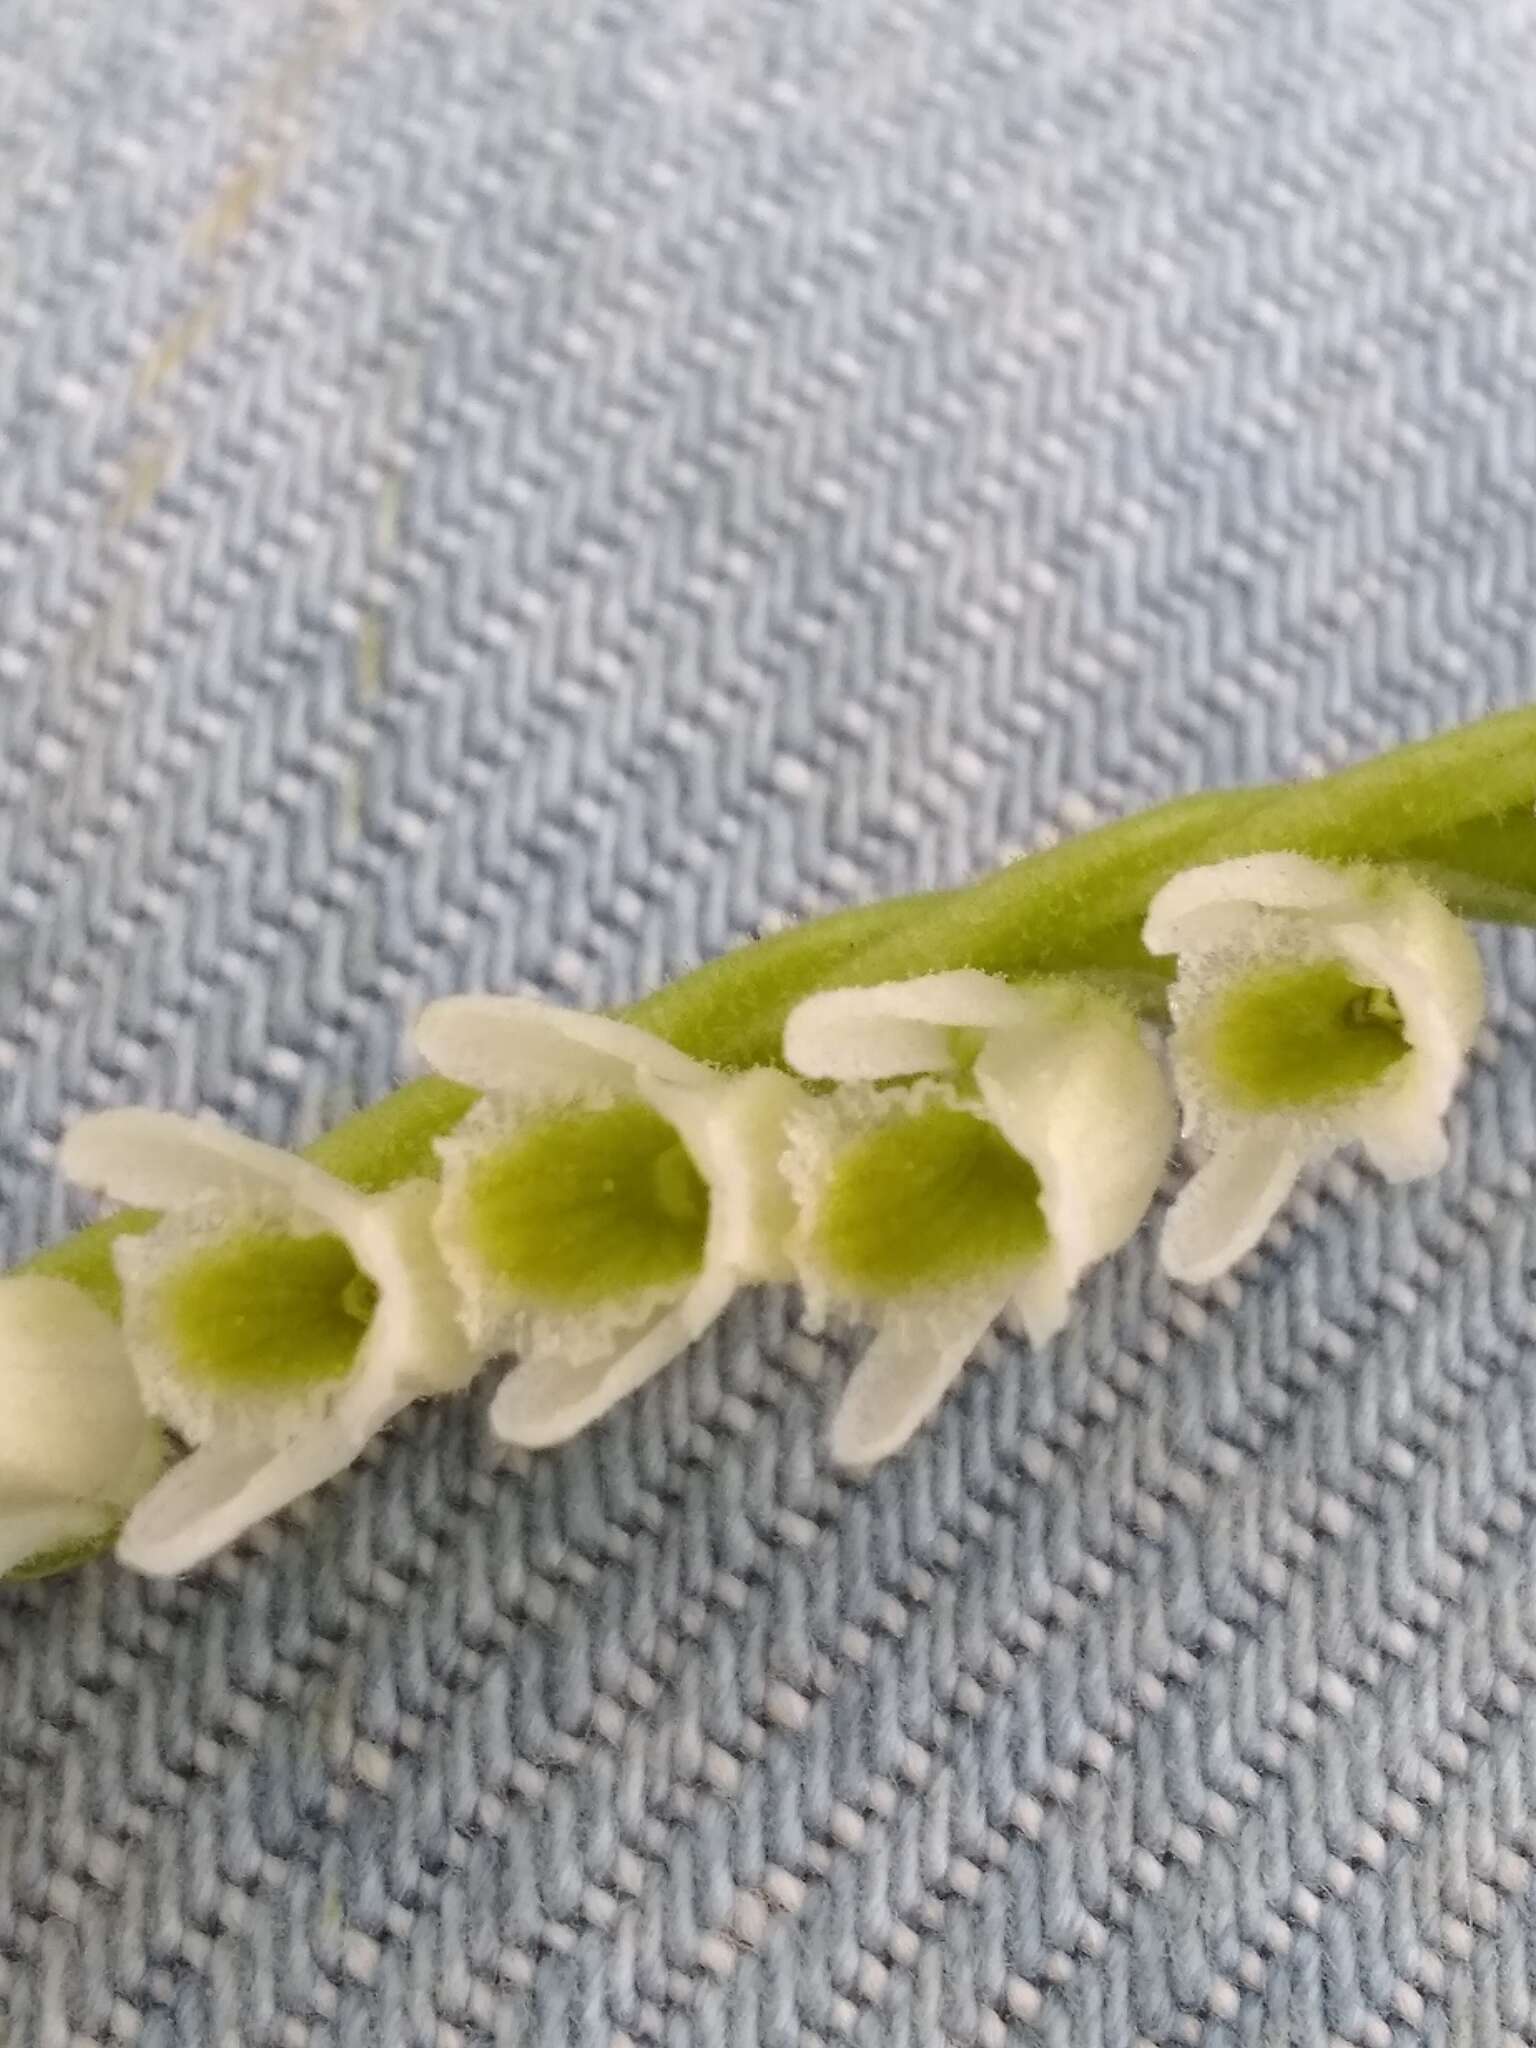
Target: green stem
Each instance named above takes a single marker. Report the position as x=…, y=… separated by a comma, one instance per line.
x=1458, y=810
x=1425, y=794
x=1459, y=807
x=1487, y=868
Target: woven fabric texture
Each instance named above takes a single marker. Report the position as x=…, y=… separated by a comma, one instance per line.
x=527, y=495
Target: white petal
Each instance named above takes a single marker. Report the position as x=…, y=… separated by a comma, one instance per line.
x=72, y=1424
x=187, y=1516
x=734, y=1131
x=546, y=1400
x=414, y=1339
x=27, y=1532
x=1077, y=1092
x=1404, y=1148
x=1414, y=947
x=895, y=1027
x=518, y=1043
x=1042, y=1300
x=1224, y=1211
x=154, y=1160
x=917, y=1353
x=228, y=1485
x=1203, y=906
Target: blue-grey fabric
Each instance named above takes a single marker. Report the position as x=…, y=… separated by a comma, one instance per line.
x=528, y=494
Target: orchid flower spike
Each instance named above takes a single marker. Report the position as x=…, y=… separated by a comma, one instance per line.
x=601, y=1205
x=1314, y=1006
x=76, y=1446
x=1023, y=1141
x=276, y=1319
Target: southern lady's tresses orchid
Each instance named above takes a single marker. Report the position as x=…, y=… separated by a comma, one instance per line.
x=601, y=1205
x=1314, y=1006
x=1023, y=1143
x=76, y=1446
x=276, y=1318
x=598, y=1208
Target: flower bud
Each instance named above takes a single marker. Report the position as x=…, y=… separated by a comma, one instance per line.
x=77, y=1448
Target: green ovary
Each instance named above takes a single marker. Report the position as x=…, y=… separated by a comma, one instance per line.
x=1293, y=1038
x=928, y=1201
x=264, y=1313
x=586, y=1207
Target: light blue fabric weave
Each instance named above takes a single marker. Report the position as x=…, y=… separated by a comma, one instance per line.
x=525, y=495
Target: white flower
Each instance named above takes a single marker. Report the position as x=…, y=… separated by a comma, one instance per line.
x=1314, y=1006
x=601, y=1205
x=76, y=1447
x=1029, y=1149
x=276, y=1318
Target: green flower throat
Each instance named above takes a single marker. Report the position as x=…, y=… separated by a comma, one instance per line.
x=926, y=1201
x=1299, y=1037
x=260, y=1312
x=587, y=1206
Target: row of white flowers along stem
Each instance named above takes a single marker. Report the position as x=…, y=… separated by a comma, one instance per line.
x=927, y=1114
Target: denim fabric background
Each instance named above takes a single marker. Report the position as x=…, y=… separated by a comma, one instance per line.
x=527, y=492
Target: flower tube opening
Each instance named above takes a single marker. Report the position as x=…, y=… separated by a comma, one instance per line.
x=275, y=1318
x=1313, y=1007
x=1029, y=1150
x=929, y=1196
x=601, y=1205
x=580, y=1205
x=1298, y=1036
